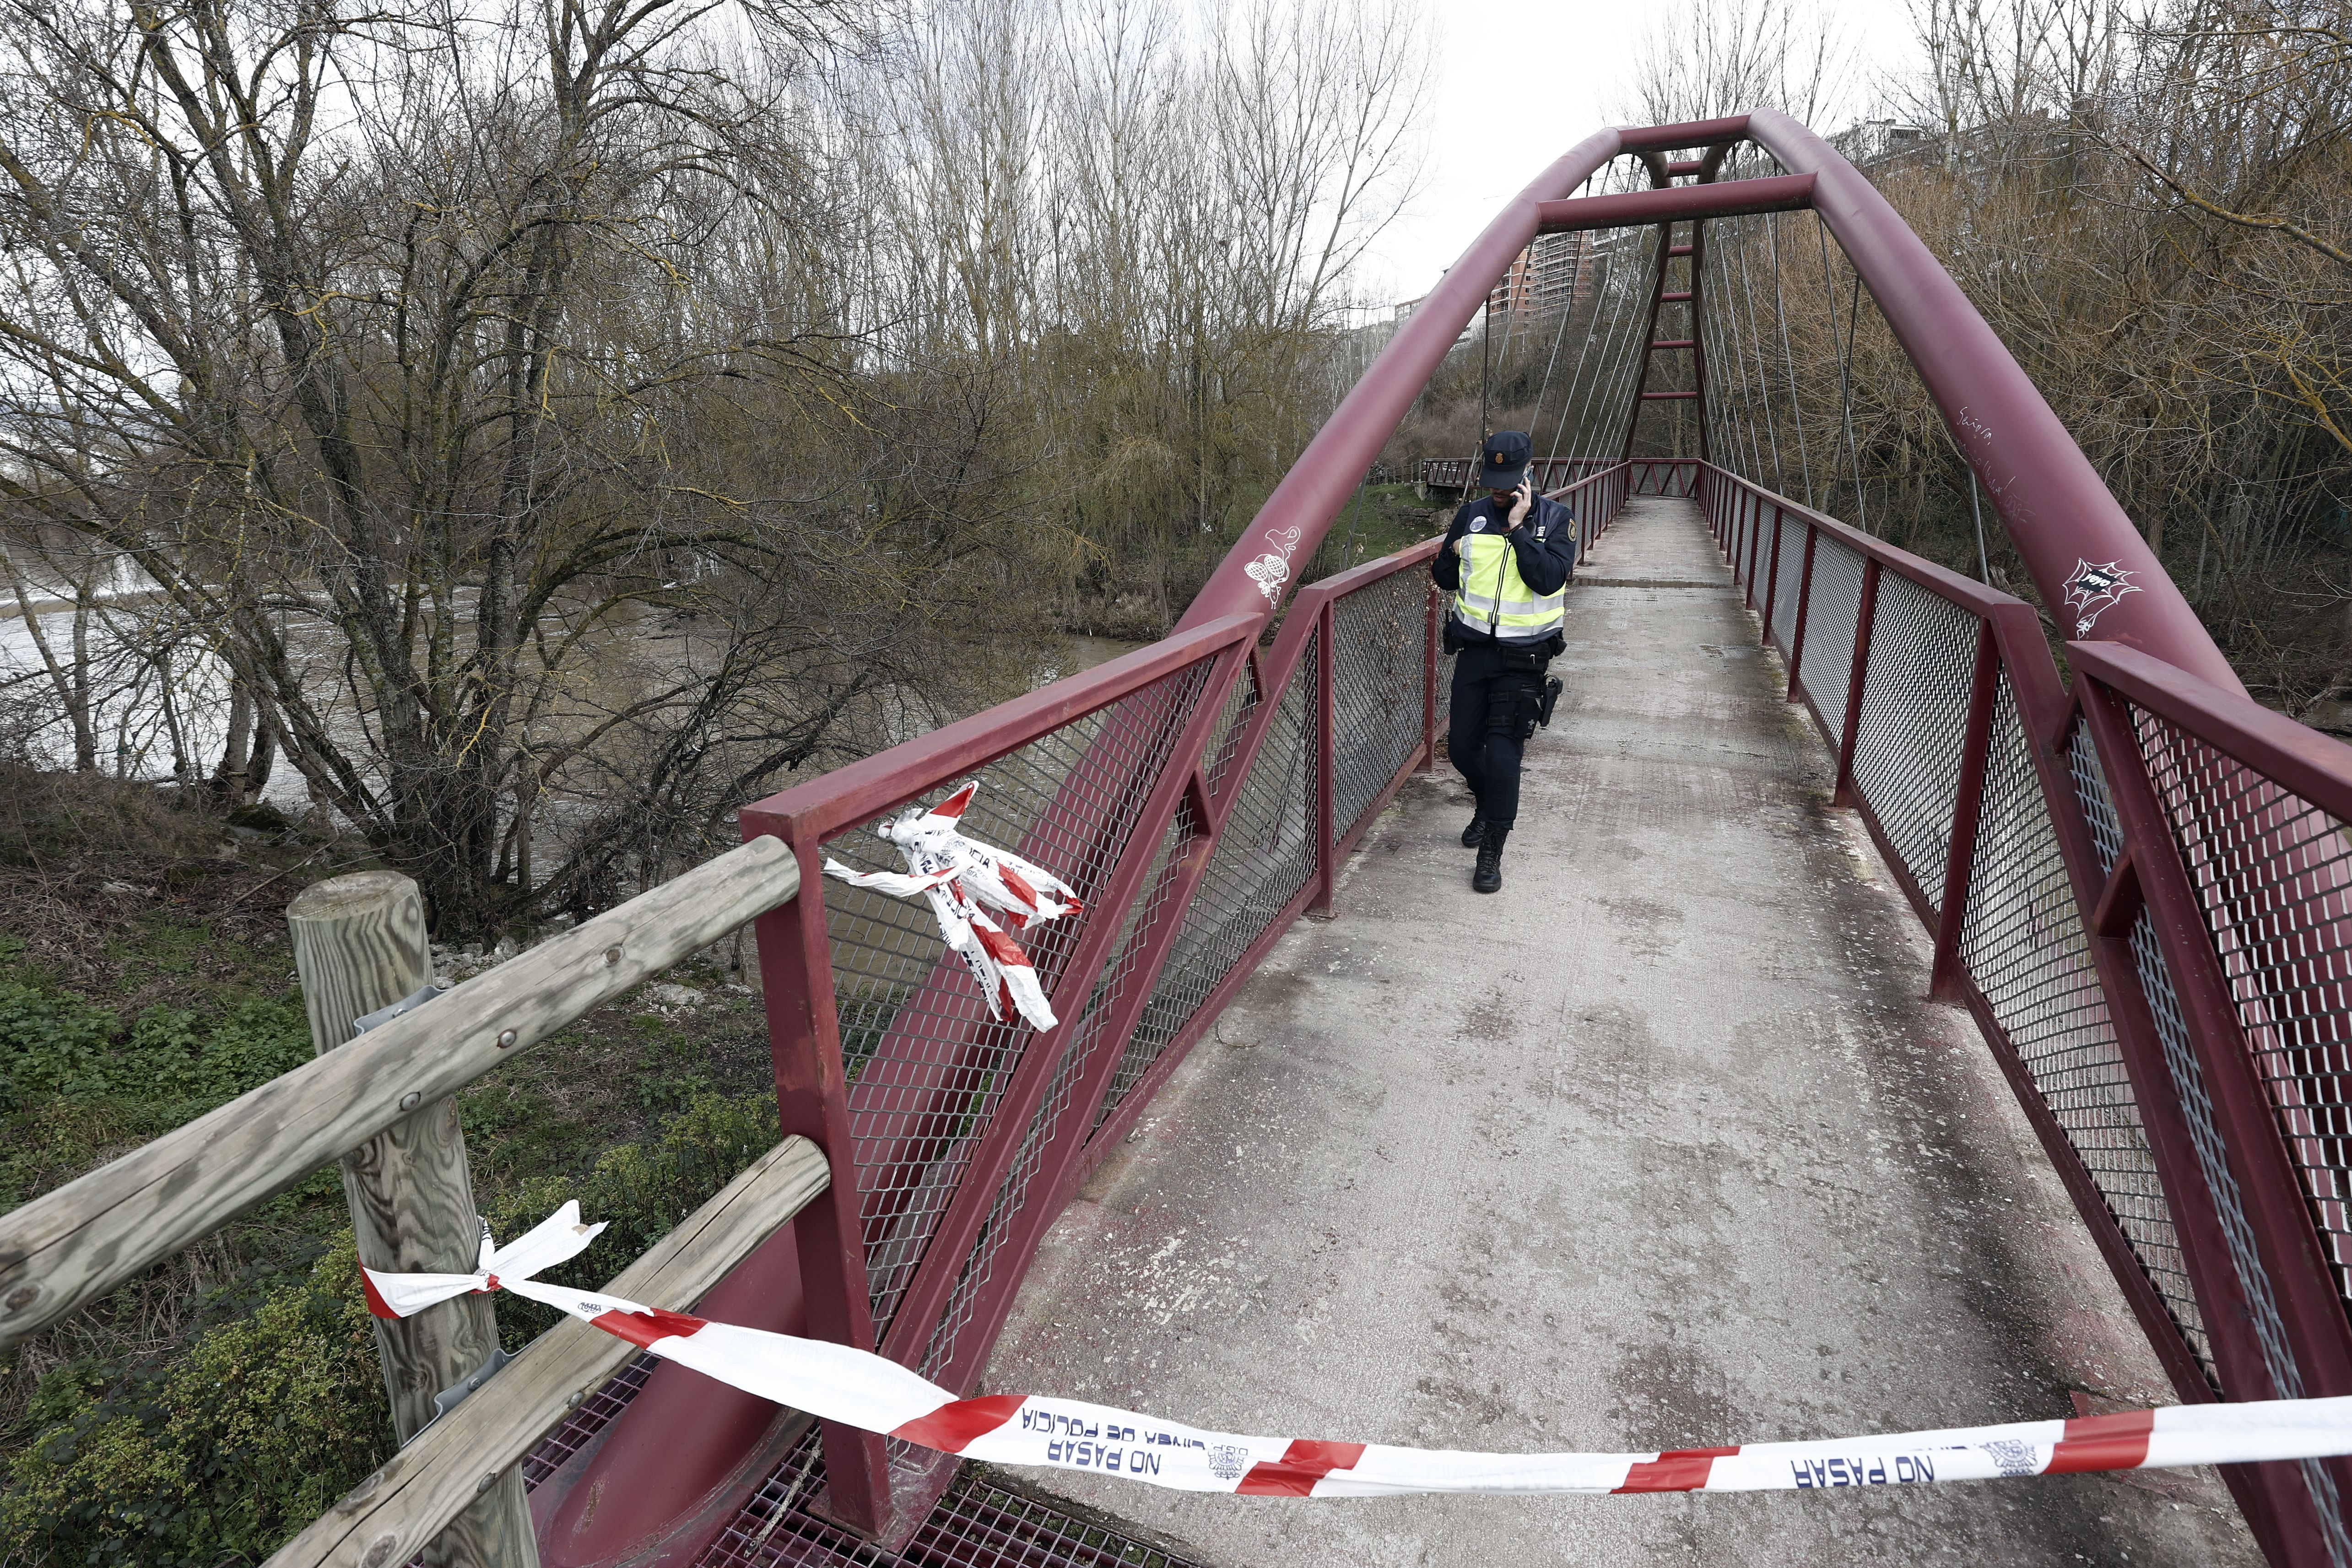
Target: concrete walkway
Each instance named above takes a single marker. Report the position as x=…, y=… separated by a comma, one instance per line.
x=1660, y=1147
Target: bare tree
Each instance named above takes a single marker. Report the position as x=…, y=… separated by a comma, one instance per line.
x=413, y=356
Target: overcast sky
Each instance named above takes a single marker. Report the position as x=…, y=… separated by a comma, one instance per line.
x=1520, y=81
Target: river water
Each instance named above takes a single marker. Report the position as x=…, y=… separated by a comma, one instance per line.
x=133, y=719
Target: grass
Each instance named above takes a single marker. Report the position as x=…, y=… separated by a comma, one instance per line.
x=216, y=1403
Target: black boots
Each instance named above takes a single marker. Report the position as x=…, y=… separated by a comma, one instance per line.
x=1475, y=834
x=1488, y=877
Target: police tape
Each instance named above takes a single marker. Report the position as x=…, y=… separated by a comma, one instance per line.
x=837, y=1382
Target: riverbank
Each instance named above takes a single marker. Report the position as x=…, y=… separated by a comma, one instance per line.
x=213, y=1405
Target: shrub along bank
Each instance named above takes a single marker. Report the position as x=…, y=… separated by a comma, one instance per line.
x=210, y=1407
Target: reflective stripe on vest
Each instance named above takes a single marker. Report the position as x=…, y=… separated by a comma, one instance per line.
x=1496, y=600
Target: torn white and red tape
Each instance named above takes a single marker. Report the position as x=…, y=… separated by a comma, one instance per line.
x=837, y=1382
x=963, y=879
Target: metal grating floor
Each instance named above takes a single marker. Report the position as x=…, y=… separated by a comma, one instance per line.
x=979, y=1524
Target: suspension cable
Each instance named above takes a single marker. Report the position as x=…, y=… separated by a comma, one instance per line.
x=1598, y=388
x=1845, y=370
x=1603, y=336
x=1630, y=327
x=1535, y=418
x=1767, y=441
x=1718, y=429
x=1976, y=509
x=1621, y=377
x=1845, y=403
x=1485, y=364
x=1730, y=412
x=1763, y=379
x=1604, y=378
x=1789, y=358
x=1610, y=301
x=1568, y=397
x=1575, y=275
x=1605, y=391
x=1750, y=403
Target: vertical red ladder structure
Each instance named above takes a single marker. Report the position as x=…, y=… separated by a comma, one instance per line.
x=1692, y=255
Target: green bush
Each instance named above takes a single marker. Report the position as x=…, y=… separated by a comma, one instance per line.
x=218, y=1452
x=168, y=1054
x=642, y=1190
x=223, y=1445
x=54, y=1042
x=50, y=1045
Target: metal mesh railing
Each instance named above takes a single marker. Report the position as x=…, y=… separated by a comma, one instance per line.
x=2188, y=1077
x=926, y=1061
x=2022, y=940
x=2273, y=875
x=1787, y=579
x=1014, y=1193
x=2205, y=1139
x=1138, y=1054
x=2019, y=940
x=1012, y=1196
x=590, y=1416
x=1753, y=535
x=1196, y=831
x=1914, y=712
x=1827, y=662
x=2263, y=867
x=1264, y=856
x=2237, y=1235
x=2268, y=873
x=1442, y=697
x=1379, y=650
x=980, y=1523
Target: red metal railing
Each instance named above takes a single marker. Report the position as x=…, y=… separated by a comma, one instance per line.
x=1550, y=473
x=1664, y=476
x=1651, y=476
x=1200, y=795
x=2138, y=890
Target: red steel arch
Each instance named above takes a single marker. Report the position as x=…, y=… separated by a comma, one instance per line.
x=2058, y=512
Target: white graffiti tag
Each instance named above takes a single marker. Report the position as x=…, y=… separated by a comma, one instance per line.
x=1272, y=570
x=2093, y=588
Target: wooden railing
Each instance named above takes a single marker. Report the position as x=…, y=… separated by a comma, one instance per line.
x=381, y=1101
x=404, y=1504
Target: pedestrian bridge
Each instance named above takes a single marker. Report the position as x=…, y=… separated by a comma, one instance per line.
x=1662, y=1145
x=1877, y=1031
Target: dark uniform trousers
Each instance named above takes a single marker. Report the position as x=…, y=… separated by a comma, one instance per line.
x=1497, y=693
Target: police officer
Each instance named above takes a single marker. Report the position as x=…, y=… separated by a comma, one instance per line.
x=1507, y=559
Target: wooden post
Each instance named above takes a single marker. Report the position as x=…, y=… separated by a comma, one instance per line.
x=358, y=945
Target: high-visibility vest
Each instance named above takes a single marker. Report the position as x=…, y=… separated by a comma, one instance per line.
x=1495, y=599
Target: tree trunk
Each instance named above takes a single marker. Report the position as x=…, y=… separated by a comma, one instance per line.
x=263, y=754
x=182, y=771
x=78, y=688
x=228, y=779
